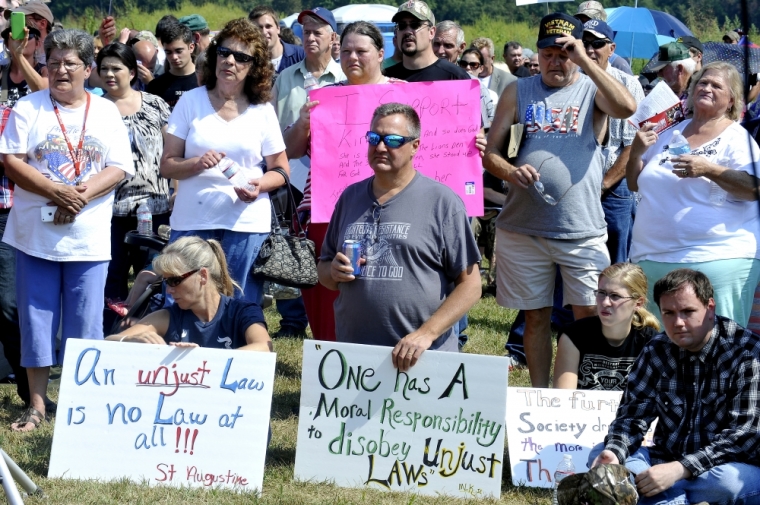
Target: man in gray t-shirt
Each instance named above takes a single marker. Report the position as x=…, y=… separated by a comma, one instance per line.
x=552, y=215
x=419, y=266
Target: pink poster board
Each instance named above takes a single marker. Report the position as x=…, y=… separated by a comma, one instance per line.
x=450, y=115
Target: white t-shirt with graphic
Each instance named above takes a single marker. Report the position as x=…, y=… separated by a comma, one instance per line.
x=676, y=222
x=33, y=129
x=208, y=201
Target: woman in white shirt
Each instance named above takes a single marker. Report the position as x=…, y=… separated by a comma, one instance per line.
x=66, y=150
x=228, y=117
x=699, y=210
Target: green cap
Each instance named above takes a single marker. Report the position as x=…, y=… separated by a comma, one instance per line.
x=602, y=485
x=416, y=8
x=195, y=22
x=670, y=52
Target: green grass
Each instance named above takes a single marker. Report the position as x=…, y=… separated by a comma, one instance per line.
x=489, y=325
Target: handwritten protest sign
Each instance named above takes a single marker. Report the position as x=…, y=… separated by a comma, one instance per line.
x=183, y=417
x=438, y=428
x=544, y=424
x=450, y=115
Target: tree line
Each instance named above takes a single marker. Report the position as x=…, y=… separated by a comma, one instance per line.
x=695, y=13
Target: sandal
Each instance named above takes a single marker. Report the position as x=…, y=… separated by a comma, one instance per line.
x=33, y=416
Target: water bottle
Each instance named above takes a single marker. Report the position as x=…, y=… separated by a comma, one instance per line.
x=144, y=219
x=235, y=174
x=678, y=144
x=310, y=82
x=564, y=469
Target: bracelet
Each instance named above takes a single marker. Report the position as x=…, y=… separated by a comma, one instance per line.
x=122, y=338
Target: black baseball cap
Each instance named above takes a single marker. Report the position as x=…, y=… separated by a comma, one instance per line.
x=557, y=25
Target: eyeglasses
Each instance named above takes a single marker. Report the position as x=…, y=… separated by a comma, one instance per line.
x=534, y=65
x=239, y=57
x=540, y=187
x=414, y=25
x=601, y=295
x=173, y=282
x=391, y=141
x=68, y=65
x=596, y=44
x=469, y=64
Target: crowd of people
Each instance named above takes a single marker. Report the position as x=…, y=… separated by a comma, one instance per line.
x=594, y=227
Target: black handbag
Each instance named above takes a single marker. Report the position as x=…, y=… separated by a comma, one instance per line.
x=287, y=257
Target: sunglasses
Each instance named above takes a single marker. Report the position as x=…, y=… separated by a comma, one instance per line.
x=392, y=141
x=173, y=282
x=468, y=64
x=596, y=44
x=414, y=25
x=239, y=57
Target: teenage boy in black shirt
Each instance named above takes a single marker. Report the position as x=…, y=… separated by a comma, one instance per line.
x=178, y=46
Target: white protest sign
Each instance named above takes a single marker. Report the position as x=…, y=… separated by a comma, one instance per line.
x=163, y=415
x=544, y=424
x=436, y=429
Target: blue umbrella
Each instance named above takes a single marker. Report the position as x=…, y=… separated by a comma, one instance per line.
x=639, y=32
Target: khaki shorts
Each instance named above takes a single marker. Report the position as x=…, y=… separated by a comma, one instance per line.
x=526, y=269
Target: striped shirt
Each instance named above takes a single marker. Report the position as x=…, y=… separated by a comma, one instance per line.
x=6, y=185
x=708, y=403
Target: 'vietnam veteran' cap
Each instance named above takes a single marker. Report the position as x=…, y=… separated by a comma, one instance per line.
x=557, y=25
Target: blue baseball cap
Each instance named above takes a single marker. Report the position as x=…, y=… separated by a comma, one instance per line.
x=599, y=29
x=324, y=14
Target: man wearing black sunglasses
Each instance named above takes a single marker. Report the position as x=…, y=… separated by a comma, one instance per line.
x=416, y=244
x=415, y=30
x=617, y=201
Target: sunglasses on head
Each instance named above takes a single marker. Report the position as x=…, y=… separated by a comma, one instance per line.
x=414, y=25
x=239, y=57
x=392, y=141
x=469, y=64
x=173, y=282
x=596, y=44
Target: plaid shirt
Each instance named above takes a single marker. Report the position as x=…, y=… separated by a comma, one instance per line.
x=708, y=403
x=6, y=186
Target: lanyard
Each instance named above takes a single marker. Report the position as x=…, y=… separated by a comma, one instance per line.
x=76, y=156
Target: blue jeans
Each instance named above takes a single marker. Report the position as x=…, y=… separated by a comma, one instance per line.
x=618, y=205
x=727, y=484
x=293, y=314
x=241, y=250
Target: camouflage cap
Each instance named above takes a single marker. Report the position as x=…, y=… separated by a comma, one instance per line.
x=602, y=485
x=416, y=8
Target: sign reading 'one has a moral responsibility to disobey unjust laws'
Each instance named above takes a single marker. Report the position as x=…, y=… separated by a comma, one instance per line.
x=163, y=415
x=437, y=428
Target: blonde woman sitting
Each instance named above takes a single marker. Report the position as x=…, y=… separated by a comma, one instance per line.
x=204, y=313
x=598, y=352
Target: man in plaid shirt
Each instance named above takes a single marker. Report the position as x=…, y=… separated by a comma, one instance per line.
x=702, y=380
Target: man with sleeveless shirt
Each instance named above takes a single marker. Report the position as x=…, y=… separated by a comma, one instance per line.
x=552, y=214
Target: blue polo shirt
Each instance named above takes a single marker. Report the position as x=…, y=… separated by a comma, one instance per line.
x=290, y=56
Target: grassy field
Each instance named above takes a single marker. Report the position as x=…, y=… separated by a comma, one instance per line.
x=489, y=325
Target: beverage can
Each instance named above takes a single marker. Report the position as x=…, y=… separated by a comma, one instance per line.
x=353, y=251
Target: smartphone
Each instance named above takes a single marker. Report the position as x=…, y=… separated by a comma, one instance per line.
x=18, y=22
x=48, y=213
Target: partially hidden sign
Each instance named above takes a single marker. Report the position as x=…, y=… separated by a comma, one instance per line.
x=450, y=116
x=544, y=424
x=163, y=415
x=436, y=429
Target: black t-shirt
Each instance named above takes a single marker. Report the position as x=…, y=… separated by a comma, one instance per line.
x=521, y=72
x=441, y=70
x=602, y=366
x=170, y=87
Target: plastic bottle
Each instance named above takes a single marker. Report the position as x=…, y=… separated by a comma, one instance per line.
x=144, y=219
x=234, y=173
x=565, y=468
x=310, y=82
x=678, y=144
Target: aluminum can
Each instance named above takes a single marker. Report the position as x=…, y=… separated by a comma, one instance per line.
x=353, y=251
